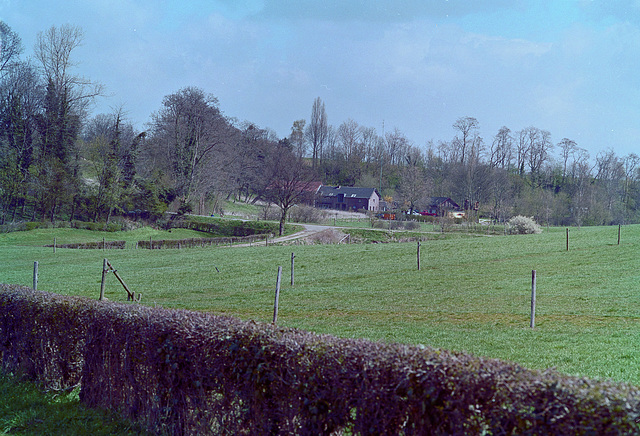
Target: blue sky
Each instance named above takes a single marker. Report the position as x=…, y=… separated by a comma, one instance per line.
x=571, y=67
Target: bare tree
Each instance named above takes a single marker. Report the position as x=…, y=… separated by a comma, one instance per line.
x=10, y=48
x=290, y=180
x=413, y=187
x=53, y=50
x=317, y=131
x=568, y=148
x=396, y=145
x=501, y=149
x=467, y=127
x=539, y=147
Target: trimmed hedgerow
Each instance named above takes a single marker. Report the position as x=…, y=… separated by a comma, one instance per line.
x=108, y=245
x=200, y=242
x=185, y=372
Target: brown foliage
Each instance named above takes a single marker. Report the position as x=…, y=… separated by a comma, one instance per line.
x=185, y=372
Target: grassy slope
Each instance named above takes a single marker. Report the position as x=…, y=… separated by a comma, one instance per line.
x=471, y=294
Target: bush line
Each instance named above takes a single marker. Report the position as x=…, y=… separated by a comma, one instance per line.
x=184, y=372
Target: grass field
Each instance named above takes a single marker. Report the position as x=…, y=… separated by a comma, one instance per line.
x=472, y=292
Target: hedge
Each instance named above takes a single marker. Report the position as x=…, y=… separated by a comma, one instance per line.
x=100, y=245
x=183, y=372
x=200, y=242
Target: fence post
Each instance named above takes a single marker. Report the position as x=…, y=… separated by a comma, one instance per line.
x=533, y=299
x=619, y=227
x=275, y=303
x=293, y=256
x=567, y=238
x=54, y=245
x=35, y=276
x=418, y=255
x=104, y=274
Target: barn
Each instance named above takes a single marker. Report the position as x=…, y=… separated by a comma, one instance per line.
x=348, y=198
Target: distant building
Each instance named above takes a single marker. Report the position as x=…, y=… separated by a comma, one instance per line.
x=348, y=198
x=440, y=206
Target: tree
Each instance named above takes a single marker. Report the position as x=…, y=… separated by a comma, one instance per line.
x=568, y=148
x=501, y=149
x=66, y=100
x=539, y=147
x=413, y=186
x=467, y=127
x=10, y=48
x=111, y=148
x=297, y=138
x=185, y=133
x=290, y=180
x=21, y=98
x=317, y=131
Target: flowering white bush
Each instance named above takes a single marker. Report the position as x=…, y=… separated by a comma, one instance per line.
x=523, y=225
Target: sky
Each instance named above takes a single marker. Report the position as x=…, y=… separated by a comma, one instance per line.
x=571, y=67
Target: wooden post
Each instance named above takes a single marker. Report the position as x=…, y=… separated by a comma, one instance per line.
x=533, y=299
x=35, y=276
x=418, y=255
x=619, y=227
x=293, y=256
x=130, y=295
x=104, y=244
x=150, y=243
x=104, y=274
x=567, y=238
x=54, y=245
x=275, y=304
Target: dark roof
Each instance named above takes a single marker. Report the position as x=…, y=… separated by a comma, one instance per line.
x=349, y=192
x=437, y=201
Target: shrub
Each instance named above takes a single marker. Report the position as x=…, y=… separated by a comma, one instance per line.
x=522, y=225
x=307, y=214
x=183, y=372
x=412, y=225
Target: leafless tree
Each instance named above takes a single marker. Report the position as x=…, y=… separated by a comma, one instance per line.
x=413, y=187
x=396, y=145
x=290, y=180
x=467, y=127
x=568, y=149
x=53, y=50
x=501, y=149
x=317, y=130
x=10, y=48
x=539, y=147
x=350, y=139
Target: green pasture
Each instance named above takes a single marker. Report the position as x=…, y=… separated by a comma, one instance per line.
x=473, y=292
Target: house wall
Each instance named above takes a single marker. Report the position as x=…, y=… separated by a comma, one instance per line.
x=349, y=203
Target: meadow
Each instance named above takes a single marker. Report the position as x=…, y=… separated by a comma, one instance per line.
x=471, y=294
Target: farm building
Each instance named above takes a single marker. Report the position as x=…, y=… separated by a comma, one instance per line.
x=441, y=206
x=348, y=198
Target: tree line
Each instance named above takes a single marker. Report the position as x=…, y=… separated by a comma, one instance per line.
x=57, y=161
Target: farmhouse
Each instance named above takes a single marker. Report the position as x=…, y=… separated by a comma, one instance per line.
x=348, y=198
x=440, y=206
